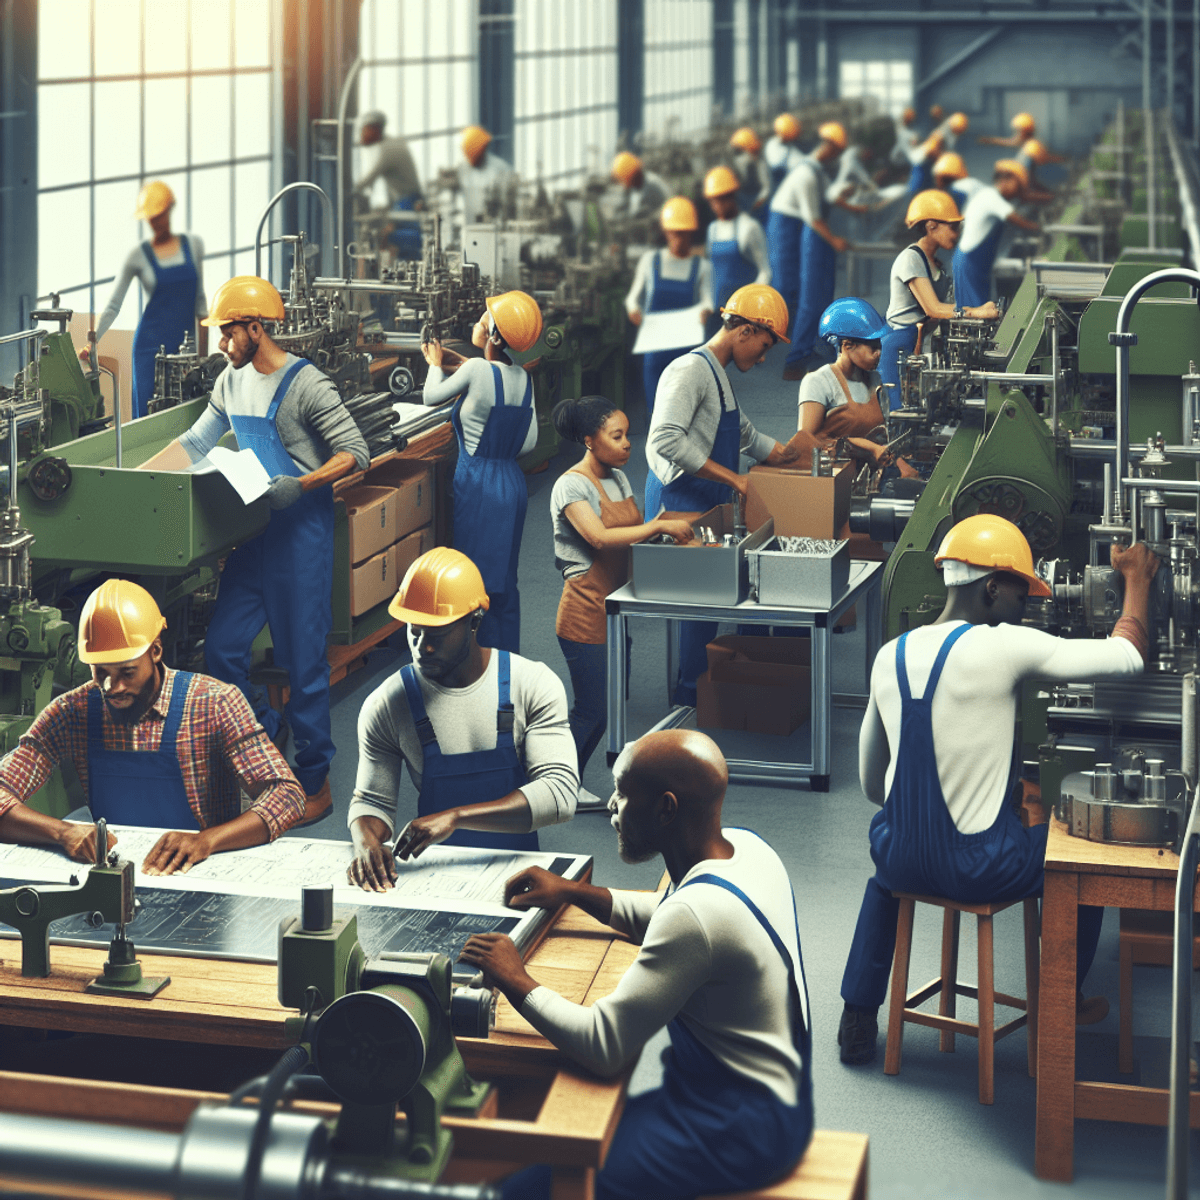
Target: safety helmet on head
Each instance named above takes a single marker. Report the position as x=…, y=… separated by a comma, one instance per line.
x=1010, y=166
x=959, y=122
x=720, y=181
x=119, y=622
x=679, y=213
x=746, y=139
x=244, y=298
x=518, y=319
x=759, y=304
x=931, y=205
x=950, y=164
x=155, y=198
x=1023, y=122
x=441, y=587
x=986, y=540
x=475, y=140
x=850, y=317
x=625, y=167
x=1036, y=151
x=835, y=132
x=787, y=128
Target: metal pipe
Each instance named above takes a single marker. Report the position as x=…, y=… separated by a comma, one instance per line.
x=1108, y=494
x=1196, y=73
x=117, y=427
x=1188, y=763
x=1170, y=104
x=1082, y=447
x=343, y=104
x=1176, y=487
x=302, y=185
x=1053, y=318
x=1015, y=379
x=24, y=335
x=1151, y=183
x=12, y=460
x=1147, y=101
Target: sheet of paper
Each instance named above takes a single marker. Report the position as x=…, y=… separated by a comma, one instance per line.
x=245, y=473
x=678, y=329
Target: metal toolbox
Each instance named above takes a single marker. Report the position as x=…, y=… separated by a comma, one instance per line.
x=698, y=573
x=813, y=577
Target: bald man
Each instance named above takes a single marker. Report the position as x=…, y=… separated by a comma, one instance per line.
x=719, y=966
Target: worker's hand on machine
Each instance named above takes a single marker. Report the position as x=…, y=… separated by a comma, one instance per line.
x=79, y=842
x=983, y=312
x=433, y=352
x=1134, y=562
x=176, y=851
x=635, y=317
x=537, y=888
x=373, y=867
x=497, y=956
x=422, y=832
x=284, y=490
x=680, y=531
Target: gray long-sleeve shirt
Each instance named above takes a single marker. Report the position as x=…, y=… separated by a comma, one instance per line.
x=138, y=266
x=393, y=163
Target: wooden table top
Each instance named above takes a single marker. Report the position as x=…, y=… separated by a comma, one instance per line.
x=1067, y=853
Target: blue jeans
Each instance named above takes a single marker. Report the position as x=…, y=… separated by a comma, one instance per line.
x=588, y=665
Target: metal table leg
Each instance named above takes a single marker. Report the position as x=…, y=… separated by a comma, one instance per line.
x=618, y=628
x=822, y=705
x=672, y=659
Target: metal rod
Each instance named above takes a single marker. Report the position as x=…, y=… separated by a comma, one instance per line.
x=1054, y=366
x=1151, y=182
x=1196, y=72
x=1016, y=380
x=12, y=460
x=24, y=335
x=1170, y=104
x=302, y=185
x=1147, y=101
x=343, y=104
x=1168, y=487
x=1108, y=494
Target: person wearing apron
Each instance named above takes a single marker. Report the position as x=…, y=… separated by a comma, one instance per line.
x=596, y=519
x=736, y=244
x=484, y=733
x=991, y=208
x=495, y=424
x=711, y=1126
x=667, y=280
x=966, y=842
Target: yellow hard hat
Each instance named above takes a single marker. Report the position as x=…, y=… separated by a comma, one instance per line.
x=959, y=122
x=787, y=127
x=153, y=199
x=931, y=205
x=1024, y=123
x=950, y=164
x=243, y=298
x=746, y=139
x=679, y=213
x=986, y=540
x=1010, y=166
x=475, y=140
x=720, y=181
x=518, y=319
x=835, y=132
x=760, y=304
x=441, y=587
x=119, y=622
x=625, y=167
x=909, y=115
x=1036, y=151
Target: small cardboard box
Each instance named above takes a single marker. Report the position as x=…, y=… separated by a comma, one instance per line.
x=802, y=504
x=409, y=549
x=756, y=684
x=371, y=518
x=373, y=582
x=413, y=482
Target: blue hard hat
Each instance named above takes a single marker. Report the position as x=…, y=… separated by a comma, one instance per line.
x=850, y=317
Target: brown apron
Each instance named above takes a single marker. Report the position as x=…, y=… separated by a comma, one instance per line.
x=851, y=419
x=581, y=610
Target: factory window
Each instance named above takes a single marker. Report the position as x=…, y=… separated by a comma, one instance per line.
x=130, y=90
x=679, y=66
x=889, y=81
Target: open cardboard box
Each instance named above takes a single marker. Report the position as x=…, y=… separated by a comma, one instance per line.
x=803, y=504
x=756, y=684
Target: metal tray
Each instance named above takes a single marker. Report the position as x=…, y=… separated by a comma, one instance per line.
x=814, y=581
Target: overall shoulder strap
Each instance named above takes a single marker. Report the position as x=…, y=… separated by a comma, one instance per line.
x=179, y=690
x=186, y=242
x=497, y=385
x=694, y=273
x=902, y=668
x=938, y=663
x=284, y=384
x=924, y=259
x=416, y=706
x=505, y=713
x=527, y=399
x=151, y=257
x=716, y=377
x=95, y=717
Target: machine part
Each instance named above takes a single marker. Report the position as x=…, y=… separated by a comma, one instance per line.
x=123, y=973
x=49, y=477
x=473, y=1012
x=329, y=960
x=1096, y=806
x=881, y=518
x=801, y=572
x=316, y=909
x=401, y=382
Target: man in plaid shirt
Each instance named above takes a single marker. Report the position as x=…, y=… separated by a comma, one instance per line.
x=151, y=746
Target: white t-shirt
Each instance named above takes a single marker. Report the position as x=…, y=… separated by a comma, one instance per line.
x=751, y=241
x=822, y=387
x=968, y=187
x=778, y=153
x=985, y=211
x=476, y=383
x=903, y=307
x=975, y=706
x=669, y=267
x=800, y=194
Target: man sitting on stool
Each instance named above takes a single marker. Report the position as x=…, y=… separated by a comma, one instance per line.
x=152, y=746
x=484, y=733
x=937, y=763
x=719, y=965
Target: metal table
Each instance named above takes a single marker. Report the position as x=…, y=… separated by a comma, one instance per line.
x=865, y=584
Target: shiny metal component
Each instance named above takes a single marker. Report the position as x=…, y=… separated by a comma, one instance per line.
x=881, y=518
x=472, y=1012
x=301, y=185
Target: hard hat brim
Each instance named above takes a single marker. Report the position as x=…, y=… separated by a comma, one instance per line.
x=1038, y=588
x=106, y=658
x=759, y=325
x=410, y=616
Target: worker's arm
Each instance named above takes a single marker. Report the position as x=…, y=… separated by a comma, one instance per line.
x=1015, y=218
x=172, y=457
x=129, y=271
x=926, y=297
x=25, y=826
x=985, y=139
x=598, y=535
x=637, y=289
x=180, y=850
x=873, y=755
x=822, y=228
x=474, y=374
x=190, y=447
x=752, y=241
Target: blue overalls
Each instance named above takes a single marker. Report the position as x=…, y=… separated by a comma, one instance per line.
x=690, y=493
x=917, y=847
x=731, y=269
x=817, y=264
x=405, y=234
x=283, y=579
x=973, y=269
x=902, y=339
x=169, y=313
x=783, y=246
x=920, y=176
x=666, y=295
x=139, y=787
x=479, y=777
x=490, y=498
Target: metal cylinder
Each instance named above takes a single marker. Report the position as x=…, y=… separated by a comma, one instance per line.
x=1103, y=781
x=472, y=1012
x=1154, y=782
x=1187, y=761
x=816, y=462
x=316, y=909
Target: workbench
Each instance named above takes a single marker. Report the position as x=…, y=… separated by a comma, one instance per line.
x=865, y=585
x=1082, y=872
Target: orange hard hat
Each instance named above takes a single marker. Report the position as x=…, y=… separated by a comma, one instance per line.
x=909, y=115
x=986, y=540
x=679, y=213
x=959, y=122
x=1010, y=166
x=746, y=139
x=155, y=198
x=518, y=319
x=931, y=205
x=1036, y=151
x=787, y=127
x=720, y=181
x=475, y=140
x=762, y=305
x=625, y=167
x=119, y=622
x=950, y=164
x=243, y=298
x=835, y=132
x=441, y=587
x=1023, y=122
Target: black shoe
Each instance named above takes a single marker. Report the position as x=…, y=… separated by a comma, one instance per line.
x=857, y=1035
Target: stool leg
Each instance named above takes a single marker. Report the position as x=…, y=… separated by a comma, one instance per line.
x=948, y=1001
x=1032, y=980
x=1125, y=1032
x=987, y=1011
x=895, y=1034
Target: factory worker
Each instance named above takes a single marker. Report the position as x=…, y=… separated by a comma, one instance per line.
x=936, y=751
x=719, y=965
x=482, y=175
x=782, y=151
x=921, y=160
x=170, y=269
x=922, y=287
x=991, y=208
x=1031, y=155
x=854, y=178
x=644, y=191
x=495, y=423
x=596, y=519
x=907, y=136
x=698, y=434
x=951, y=175
x=952, y=128
x=151, y=746
x=395, y=166
x=667, y=279
x=753, y=172
x=289, y=413
x=736, y=244
x=805, y=196
x=1023, y=128
x=483, y=732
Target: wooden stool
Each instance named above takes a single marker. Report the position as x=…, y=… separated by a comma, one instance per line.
x=834, y=1167
x=904, y=1007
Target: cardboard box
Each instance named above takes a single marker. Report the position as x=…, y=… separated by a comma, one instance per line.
x=371, y=517
x=373, y=582
x=802, y=505
x=413, y=482
x=409, y=549
x=757, y=684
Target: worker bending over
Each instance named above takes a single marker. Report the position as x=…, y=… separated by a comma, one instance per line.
x=782, y=151
x=1023, y=128
x=495, y=423
x=736, y=244
x=393, y=164
x=991, y=208
x=484, y=733
x=936, y=751
x=151, y=746
x=482, y=175
x=719, y=965
x=644, y=191
x=1031, y=156
x=752, y=170
x=289, y=413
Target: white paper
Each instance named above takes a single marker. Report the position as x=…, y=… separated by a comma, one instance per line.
x=676, y=329
x=245, y=473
